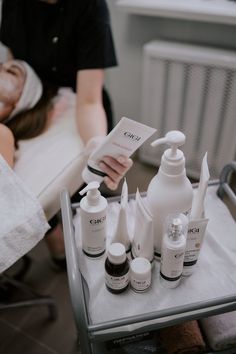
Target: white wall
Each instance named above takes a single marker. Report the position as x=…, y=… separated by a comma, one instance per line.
x=131, y=32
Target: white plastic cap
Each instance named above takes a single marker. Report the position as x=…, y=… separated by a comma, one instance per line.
x=116, y=253
x=140, y=268
x=93, y=194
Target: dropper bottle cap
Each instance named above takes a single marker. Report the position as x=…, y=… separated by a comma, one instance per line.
x=93, y=194
x=173, y=161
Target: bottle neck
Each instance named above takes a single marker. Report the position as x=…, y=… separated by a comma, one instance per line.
x=173, y=166
x=174, y=236
x=93, y=197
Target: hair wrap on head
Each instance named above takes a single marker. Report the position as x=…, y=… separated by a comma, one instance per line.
x=32, y=90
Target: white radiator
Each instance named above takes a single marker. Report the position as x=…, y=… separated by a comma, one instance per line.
x=192, y=89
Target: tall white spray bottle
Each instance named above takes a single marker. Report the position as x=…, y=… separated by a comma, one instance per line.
x=172, y=253
x=170, y=191
x=93, y=210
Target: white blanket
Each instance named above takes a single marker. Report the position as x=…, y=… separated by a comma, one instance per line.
x=23, y=223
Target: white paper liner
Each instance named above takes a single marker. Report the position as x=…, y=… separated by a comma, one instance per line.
x=214, y=276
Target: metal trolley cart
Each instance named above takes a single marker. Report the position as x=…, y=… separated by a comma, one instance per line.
x=94, y=333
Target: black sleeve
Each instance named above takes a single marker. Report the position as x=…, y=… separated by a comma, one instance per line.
x=6, y=22
x=11, y=25
x=95, y=43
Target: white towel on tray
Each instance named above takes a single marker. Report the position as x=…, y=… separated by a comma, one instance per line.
x=23, y=223
x=212, y=279
x=220, y=330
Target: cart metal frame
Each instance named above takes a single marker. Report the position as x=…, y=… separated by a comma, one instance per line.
x=91, y=336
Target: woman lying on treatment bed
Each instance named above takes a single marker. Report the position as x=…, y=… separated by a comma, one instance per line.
x=26, y=109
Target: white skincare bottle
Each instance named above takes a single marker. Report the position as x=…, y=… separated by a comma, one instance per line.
x=93, y=210
x=172, y=254
x=170, y=191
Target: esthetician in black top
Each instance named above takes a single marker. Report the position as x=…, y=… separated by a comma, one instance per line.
x=58, y=38
x=68, y=43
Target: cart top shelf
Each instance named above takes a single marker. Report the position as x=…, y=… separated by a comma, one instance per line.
x=213, y=282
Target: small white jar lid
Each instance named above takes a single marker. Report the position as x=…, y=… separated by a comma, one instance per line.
x=116, y=253
x=140, y=268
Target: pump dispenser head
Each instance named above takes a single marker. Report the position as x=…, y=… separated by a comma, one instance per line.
x=93, y=194
x=174, y=138
x=173, y=161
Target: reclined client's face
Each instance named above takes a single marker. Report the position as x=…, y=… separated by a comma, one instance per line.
x=12, y=79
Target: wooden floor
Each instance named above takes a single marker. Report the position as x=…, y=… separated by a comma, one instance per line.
x=29, y=330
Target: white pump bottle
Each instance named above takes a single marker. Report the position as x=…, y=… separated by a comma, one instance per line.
x=93, y=209
x=170, y=191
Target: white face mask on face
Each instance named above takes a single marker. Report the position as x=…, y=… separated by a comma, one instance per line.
x=12, y=79
x=11, y=82
x=27, y=87
x=7, y=87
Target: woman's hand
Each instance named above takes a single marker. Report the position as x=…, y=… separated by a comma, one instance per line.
x=92, y=124
x=114, y=168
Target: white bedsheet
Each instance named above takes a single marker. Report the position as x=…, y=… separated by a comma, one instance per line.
x=54, y=159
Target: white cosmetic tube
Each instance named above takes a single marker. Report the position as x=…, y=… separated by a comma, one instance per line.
x=195, y=236
x=198, y=198
x=197, y=224
x=143, y=244
x=124, y=139
x=121, y=234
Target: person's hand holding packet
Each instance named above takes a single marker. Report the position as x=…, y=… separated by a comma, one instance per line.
x=114, y=168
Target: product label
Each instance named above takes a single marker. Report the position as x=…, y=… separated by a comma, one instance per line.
x=196, y=232
x=172, y=263
x=140, y=285
x=93, y=232
x=160, y=226
x=124, y=139
x=117, y=283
